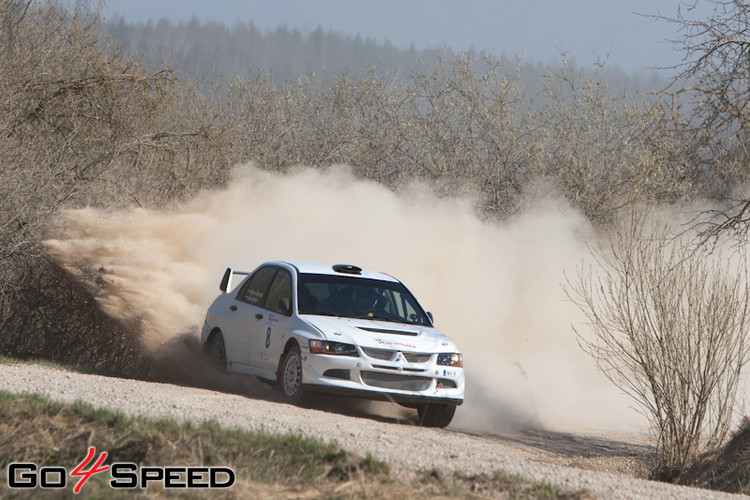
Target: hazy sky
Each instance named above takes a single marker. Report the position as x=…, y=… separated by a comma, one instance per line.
x=538, y=30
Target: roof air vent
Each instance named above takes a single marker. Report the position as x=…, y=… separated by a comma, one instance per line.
x=347, y=269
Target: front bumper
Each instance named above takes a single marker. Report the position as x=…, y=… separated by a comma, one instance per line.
x=381, y=374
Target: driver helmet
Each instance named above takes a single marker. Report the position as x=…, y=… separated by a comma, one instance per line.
x=365, y=299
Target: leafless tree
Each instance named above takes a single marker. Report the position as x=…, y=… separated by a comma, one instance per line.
x=713, y=82
x=669, y=326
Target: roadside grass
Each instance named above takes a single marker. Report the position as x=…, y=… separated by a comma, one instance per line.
x=725, y=469
x=41, y=362
x=4, y=360
x=499, y=484
x=37, y=430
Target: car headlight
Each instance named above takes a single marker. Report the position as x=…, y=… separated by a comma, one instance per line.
x=450, y=359
x=335, y=348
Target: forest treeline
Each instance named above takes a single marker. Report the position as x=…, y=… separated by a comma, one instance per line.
x=84, y=122
x=211, y=53
x=197, y=49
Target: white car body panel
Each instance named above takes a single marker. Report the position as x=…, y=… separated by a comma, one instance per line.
x=396, y=361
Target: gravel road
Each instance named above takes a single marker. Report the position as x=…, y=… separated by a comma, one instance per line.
x=566, y=460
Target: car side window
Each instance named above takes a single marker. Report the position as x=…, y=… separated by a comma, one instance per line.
x=281, y=289
x=254, y=291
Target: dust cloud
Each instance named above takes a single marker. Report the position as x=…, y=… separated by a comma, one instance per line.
x=495, y=289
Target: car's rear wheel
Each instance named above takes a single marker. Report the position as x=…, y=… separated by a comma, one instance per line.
x=217, y=352
x=436, y=414
x=291, y=376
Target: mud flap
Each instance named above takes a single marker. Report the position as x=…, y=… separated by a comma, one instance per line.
x=277, y=384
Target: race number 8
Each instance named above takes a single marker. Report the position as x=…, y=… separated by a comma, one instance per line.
x=268, y=337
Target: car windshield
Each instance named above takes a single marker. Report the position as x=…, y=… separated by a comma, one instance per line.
x=365, y=298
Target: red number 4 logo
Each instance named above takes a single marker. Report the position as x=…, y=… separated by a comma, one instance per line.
x=86, y=474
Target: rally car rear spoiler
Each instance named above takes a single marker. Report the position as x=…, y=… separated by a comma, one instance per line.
x=226, y=280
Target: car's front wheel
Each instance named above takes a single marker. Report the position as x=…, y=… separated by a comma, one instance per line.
x=291, y=376
x=436, y=414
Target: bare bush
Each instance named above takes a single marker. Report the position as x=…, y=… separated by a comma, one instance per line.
x=467, y=122
x=472, y=126
x=55, y=317
x=81, y=124
x=609, y=150
x=669, y=326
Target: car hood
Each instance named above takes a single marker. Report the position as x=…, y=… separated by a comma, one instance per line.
x=381, y=334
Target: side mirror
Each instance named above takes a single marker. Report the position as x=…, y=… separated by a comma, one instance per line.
x=285, y=305
x=429, y=315
x=226, y=280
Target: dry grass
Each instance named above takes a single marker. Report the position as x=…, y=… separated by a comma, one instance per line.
x=34, y=429
x=725, y=469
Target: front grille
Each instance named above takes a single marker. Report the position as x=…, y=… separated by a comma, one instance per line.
x=396, y=381
x=384, y=367
x=402, y=368
x=387, y=355
x=384, y=354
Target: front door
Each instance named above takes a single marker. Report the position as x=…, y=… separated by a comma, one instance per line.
x=247, y=317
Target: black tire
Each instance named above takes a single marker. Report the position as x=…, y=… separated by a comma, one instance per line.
x=217, y=353
x=291, y=377
x=436, y=414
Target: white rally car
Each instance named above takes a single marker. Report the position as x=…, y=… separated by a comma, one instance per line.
x=319, y=328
